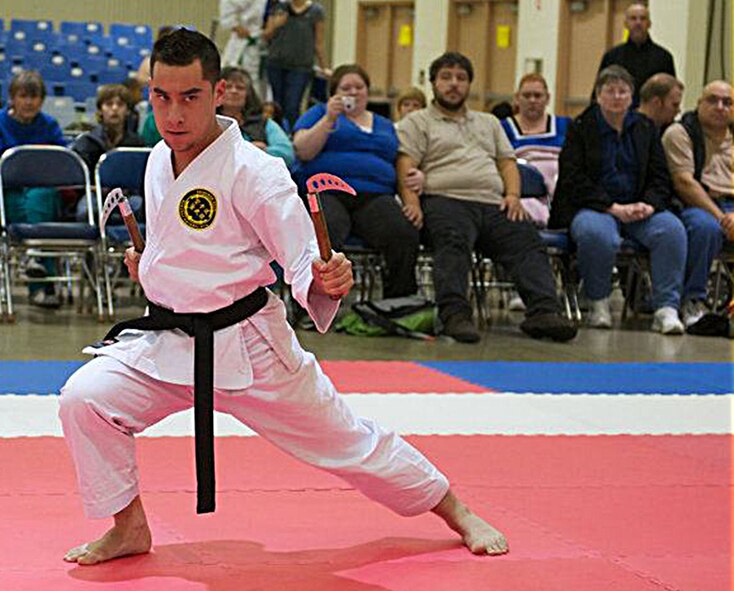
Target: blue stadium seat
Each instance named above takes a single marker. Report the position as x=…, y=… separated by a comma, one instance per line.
x=31, y=30
x=136, y=35
x=112, y=76
x=82, y=31
x=81, y=90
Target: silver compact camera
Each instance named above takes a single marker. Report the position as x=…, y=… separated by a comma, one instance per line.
x=349, y=103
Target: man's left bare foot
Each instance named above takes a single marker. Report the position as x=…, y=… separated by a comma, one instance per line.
x=478, y=535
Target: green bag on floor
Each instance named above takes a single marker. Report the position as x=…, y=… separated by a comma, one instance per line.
x=411, y=316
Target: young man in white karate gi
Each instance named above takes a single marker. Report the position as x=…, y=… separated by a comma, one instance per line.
x=218, y=211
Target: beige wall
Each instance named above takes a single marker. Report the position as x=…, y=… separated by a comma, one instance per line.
x=537, y=38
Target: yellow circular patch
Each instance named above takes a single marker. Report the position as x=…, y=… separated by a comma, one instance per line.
x=197, y=209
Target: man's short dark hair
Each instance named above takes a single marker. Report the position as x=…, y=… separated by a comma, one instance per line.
x=449, y=60
x=181, y=47
x=659, y=85
x=614, y=73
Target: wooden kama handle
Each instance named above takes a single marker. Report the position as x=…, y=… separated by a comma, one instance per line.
x=319, y=224
x=134, y=231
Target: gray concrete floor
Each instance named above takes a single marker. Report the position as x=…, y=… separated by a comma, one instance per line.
x=61, y=334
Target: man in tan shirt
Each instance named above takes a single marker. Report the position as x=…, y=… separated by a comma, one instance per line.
x=699, y=154
x=471, y=199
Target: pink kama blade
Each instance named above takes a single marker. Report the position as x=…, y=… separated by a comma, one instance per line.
x=328, y=182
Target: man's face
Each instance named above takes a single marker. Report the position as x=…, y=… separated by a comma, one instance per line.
x=669, y=106
x=614, y=98
x=532, y=100
x=637, y=21
x=26, y=106
x=715, y=105
x=113, y=111
x=451, y=87
x=184, y=105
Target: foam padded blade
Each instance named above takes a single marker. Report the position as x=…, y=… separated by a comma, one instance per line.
x=328, y=182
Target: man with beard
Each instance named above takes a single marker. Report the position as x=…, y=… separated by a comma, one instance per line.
x=471, y=199
x=639, y=55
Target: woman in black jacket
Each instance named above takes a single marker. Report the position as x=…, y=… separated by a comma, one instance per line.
x=613, y=184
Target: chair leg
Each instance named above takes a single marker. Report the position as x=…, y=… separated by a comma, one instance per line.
x=10, y=317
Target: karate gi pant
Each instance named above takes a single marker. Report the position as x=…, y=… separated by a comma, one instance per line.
x=105, y=403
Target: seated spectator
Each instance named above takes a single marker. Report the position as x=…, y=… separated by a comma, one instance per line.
x=242, y=103
x=660, y=99
x=343, y=138
x=22, y=122
x=614, y=183
x=699, y=153
x=472, y=200
x=537, y=137
x=411, y=99
x=150, y=133
x=137, y=106
x=113, y=110
x=272, y=110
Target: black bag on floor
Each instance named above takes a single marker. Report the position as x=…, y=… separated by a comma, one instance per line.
x=411, y=316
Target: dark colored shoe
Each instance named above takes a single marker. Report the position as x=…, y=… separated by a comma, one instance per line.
x=34, y=269
x=461, y=328
x=50, y=301
x=549, y=325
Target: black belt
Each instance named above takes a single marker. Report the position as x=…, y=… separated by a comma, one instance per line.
x=201, y=326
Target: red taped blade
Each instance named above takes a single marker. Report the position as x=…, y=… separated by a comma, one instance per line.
x=324, y=181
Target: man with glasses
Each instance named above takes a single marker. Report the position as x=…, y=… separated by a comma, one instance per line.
x=699, y=154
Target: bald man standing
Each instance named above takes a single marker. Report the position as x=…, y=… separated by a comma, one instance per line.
x=640, y=55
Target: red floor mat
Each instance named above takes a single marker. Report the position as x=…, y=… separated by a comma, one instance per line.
x=581, y=513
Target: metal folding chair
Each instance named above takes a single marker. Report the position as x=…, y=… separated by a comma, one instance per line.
x=123, y=168
x=76, y=245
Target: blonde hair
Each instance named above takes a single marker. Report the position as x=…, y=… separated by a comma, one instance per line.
x=412, y=93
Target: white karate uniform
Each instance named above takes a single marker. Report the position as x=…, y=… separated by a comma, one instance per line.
x=262, y=376
x=241, y=51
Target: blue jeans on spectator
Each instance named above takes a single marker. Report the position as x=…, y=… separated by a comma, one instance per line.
x=705, y=241
x=598, y=237
x=288, y=88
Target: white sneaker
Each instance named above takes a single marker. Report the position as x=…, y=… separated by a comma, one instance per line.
x=666, y=321
x=600, y=315
x=516, y=304
x=693, y=311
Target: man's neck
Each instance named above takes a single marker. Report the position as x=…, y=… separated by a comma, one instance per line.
x=181, y=160
x=647, y=112
x=452, y=114
x=714, y=133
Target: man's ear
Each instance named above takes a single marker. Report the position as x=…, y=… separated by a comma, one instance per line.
x=219, y=92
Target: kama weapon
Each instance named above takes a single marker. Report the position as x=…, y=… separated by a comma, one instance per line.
x=315, y=186
x=117, y=198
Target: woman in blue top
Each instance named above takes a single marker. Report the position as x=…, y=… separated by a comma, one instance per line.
x=343, y=138
x=242, y=104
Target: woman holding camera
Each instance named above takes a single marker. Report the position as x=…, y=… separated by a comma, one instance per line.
x=342, y=137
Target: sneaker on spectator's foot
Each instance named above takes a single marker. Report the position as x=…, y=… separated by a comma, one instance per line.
x=516, y=304
x=461, y=328
x=34, y=269
x=549, y=325
x=600, y=315
x=45, y=300
x=666, y=321
x=693, y=311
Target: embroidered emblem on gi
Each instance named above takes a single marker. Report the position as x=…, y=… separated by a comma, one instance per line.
x=197, y=209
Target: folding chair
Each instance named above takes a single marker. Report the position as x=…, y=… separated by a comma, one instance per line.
x=77, y=245
x=123, y=168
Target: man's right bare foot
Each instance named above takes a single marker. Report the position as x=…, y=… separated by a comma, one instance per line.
x=116, y=543
x=130, y=535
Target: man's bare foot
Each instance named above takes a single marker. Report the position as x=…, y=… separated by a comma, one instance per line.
x=130, y=535
x=477, y=534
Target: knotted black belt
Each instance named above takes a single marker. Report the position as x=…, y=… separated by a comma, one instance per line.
x=200, y=326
